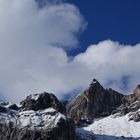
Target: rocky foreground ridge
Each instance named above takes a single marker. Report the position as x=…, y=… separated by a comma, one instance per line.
x=38, y=118
x=44, y=117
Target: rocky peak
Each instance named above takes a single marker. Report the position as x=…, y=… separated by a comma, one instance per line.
x=95, y=89
x=47, y=124
x=94, y=102
x=137, y=92
x=95, y=85
x=131, y=103
x=42, y=101
x=94, y=82
x=39, y=118
x=135, y=96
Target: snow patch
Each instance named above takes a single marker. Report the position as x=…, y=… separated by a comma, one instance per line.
x=48, y=118
x=114, y=128
x=34, y=96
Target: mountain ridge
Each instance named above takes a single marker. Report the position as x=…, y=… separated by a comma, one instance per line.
x=85, y=117
x=95, y=101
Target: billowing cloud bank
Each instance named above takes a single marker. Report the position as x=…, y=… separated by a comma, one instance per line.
x=33, y=57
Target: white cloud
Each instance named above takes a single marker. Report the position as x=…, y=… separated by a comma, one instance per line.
x=28, y=40
x=30, y=63
x=115, y=65
x=55, y=24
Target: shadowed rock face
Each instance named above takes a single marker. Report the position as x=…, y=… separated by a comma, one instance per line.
x=65, y=130
x=2, y=109
x=93, y=102
x=13, y=107
x=42, y=101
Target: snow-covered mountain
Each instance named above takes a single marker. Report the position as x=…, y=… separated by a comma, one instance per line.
x=98, y=113
x=38, y=118
x=104, y=114
x=112, y=127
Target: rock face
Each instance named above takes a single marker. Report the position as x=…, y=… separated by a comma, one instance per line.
x=131, y=104
x=93, y=102
x=25, y=134
x=36, y=125
x=42, y=101
x=135, y=96
x=2, y=109
x=13, y=107
x=40, y=121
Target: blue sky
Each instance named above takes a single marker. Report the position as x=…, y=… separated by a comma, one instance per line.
x=118, y=20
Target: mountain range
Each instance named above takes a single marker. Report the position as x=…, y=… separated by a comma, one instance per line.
x=94, y=114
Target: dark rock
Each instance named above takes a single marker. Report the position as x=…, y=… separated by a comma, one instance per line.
x=63, y=132
x=93, y=102
x=135, y=117
x=42, y=101
x=3, y=109
x=14, y=107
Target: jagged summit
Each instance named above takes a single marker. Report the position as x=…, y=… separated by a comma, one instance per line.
x=94, y=83
x=94, y=88
x=137, y=91
x=95, y=101
x=42, y=101
x=135, y=96
x=39, y=118
x=131, y=104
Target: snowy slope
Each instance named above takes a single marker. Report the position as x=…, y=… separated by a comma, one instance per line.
x=113, y=128
x=48, y=118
